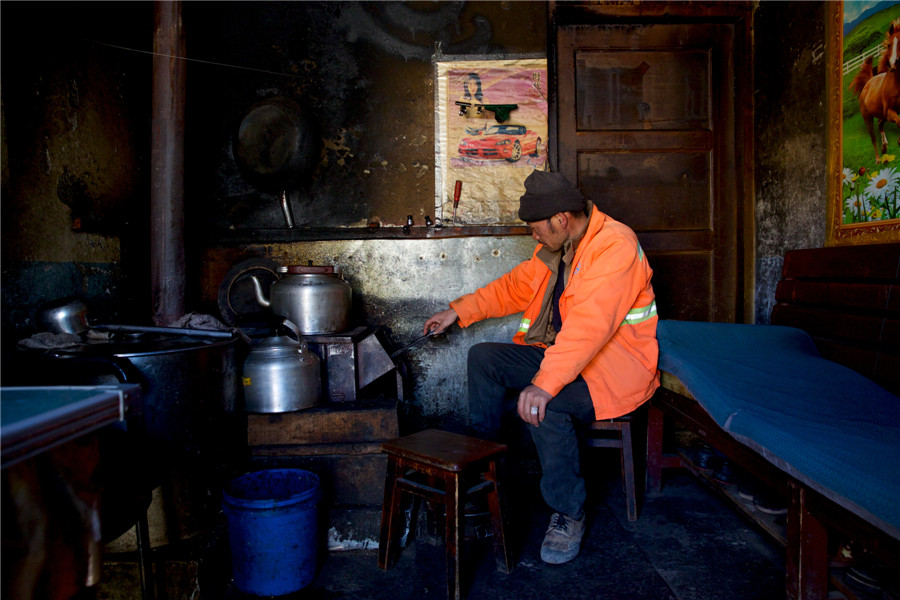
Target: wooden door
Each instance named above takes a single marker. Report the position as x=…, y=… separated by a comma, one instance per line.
x=650, y=124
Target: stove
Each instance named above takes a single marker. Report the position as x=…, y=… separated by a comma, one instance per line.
x=351, y=361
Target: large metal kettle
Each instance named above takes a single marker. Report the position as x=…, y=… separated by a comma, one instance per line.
x=280, y=374
x=315, y=298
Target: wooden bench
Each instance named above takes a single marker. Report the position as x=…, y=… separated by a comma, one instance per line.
x=848, y=301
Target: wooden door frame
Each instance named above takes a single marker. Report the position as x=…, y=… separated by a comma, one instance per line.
x=739, y=15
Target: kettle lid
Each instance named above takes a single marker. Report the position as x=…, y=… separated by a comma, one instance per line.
x=290, y=339
x=279, y=342
x=307, y=269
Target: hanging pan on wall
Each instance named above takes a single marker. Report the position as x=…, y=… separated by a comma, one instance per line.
x=276, y=145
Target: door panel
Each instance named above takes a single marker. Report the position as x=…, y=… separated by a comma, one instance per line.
x=687, y=276
x=649, y=190
x=646, y=126
x=642, y=90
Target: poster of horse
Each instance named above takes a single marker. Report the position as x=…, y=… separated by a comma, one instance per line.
x=869, y=112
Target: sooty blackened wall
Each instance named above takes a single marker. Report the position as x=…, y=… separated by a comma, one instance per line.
x=789, y=59
x=76, y=129
x=361, y=72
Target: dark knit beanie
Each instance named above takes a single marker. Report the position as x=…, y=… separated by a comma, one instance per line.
x=547, y=194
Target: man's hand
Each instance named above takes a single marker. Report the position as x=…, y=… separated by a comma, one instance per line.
x=533, y=404
x=440, y=321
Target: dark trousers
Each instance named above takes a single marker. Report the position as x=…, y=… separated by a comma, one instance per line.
x=495, y=368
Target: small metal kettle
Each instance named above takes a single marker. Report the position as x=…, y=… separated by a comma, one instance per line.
x=280, y=374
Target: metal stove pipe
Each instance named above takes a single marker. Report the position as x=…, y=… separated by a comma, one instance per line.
x=167, y=257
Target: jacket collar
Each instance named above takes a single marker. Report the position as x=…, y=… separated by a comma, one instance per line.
x=595, y=224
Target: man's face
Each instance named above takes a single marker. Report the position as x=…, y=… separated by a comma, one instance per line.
x=548, y=233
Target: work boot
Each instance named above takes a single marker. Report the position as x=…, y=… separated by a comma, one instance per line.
x=563, y=539
x=724, y=474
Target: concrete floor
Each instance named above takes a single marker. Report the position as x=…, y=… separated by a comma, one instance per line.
x=686, y=545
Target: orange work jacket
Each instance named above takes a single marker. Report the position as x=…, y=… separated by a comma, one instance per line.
x=608, y=311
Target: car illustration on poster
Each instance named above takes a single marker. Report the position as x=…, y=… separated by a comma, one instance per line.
x=509, y=142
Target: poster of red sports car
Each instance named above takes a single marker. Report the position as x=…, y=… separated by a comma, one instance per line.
x=509, y=142
x=491, y=133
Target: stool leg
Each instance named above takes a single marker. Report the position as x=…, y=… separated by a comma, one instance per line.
x=417, y=502
x=145, y=558
x=432, y=521
x=654, y=449
x=502, y=552
x=806, y=562
x=454, y=539
x=628, y=471
x=391, y=516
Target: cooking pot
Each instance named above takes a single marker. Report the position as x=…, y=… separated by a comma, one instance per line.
x=188, y=383
x=190, y=432
x=66, y=315
x=314, y=298
x=281, y=375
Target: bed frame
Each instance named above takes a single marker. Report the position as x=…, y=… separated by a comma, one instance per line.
x=848, y=300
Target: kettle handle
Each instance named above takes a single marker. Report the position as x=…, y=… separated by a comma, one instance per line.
x=291, y=326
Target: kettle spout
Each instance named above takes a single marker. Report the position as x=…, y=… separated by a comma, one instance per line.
x=260, y=296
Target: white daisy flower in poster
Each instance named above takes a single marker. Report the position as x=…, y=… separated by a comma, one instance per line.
x=883, y=183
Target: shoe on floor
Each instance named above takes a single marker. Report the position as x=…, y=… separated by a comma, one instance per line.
x=562, y=540
x=724, y=474
x=748, y=488
x=867, y=576
x=769, y=502
x=706, y=459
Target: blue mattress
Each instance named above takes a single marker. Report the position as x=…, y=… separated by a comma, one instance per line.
x=822, y=423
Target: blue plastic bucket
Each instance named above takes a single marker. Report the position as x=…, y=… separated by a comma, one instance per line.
x=272, y=530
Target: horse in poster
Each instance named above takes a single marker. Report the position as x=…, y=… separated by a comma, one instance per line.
x=879, y=95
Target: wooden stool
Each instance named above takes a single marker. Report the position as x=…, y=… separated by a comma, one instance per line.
x=622, y=439
x=438, y=466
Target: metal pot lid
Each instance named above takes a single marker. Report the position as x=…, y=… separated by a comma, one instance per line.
x=136, y=345
x=181, y=344
x=276, y=144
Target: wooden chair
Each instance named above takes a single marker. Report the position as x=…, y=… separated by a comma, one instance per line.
x=444, y=468
x=617, y=433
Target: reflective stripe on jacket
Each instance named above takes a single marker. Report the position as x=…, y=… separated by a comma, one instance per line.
x=609, y=317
